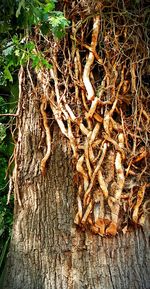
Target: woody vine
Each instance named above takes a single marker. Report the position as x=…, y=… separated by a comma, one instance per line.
x=97, y=95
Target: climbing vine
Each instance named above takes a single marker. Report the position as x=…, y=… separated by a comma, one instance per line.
x=98, y=97
x=96, y=88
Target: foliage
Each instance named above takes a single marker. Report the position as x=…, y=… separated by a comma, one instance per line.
x=16, y=47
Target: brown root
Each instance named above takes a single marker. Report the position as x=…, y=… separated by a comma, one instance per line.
x=100, y=103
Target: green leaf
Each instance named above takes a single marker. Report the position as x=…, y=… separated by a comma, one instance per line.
x=10, y=62
x=7, y=74
x=58, y=23
x=35, y=60
x=15, y=40
x=30, y=45
x=24, y=58
x=49, y=7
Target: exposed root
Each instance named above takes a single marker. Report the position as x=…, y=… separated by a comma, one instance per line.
x=17, y=146
x=87, y=193
x=48, y=137
x=100, y=103
x=102, y=184
x=140, y=196
x=43, y=78
x=81, y=170
x=90, y=59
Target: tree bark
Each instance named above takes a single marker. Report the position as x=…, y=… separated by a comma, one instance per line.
x=47, y=249
x=95, y=84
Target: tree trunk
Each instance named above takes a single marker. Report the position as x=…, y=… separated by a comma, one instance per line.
x=47, y=250
x=94, y=92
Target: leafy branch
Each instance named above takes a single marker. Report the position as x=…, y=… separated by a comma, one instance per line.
x=19, y=49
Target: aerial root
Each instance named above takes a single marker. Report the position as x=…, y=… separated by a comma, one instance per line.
x=43, y=78
x=95, y=93
x=90, y=59
x=48, y=137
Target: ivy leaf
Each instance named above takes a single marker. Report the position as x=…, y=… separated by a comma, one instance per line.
x=35, y=60
x=7, y=74
x=49, y=7
x=15, y=40
x=30, y=45
x=58, y=23
x=37, y=15
x=10, y=62
x=24, y=58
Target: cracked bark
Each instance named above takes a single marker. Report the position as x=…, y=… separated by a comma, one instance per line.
x=47, y=250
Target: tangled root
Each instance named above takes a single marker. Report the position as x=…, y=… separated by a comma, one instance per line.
x=99, y=99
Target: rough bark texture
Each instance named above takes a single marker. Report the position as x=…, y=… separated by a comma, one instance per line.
x=47, y=250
